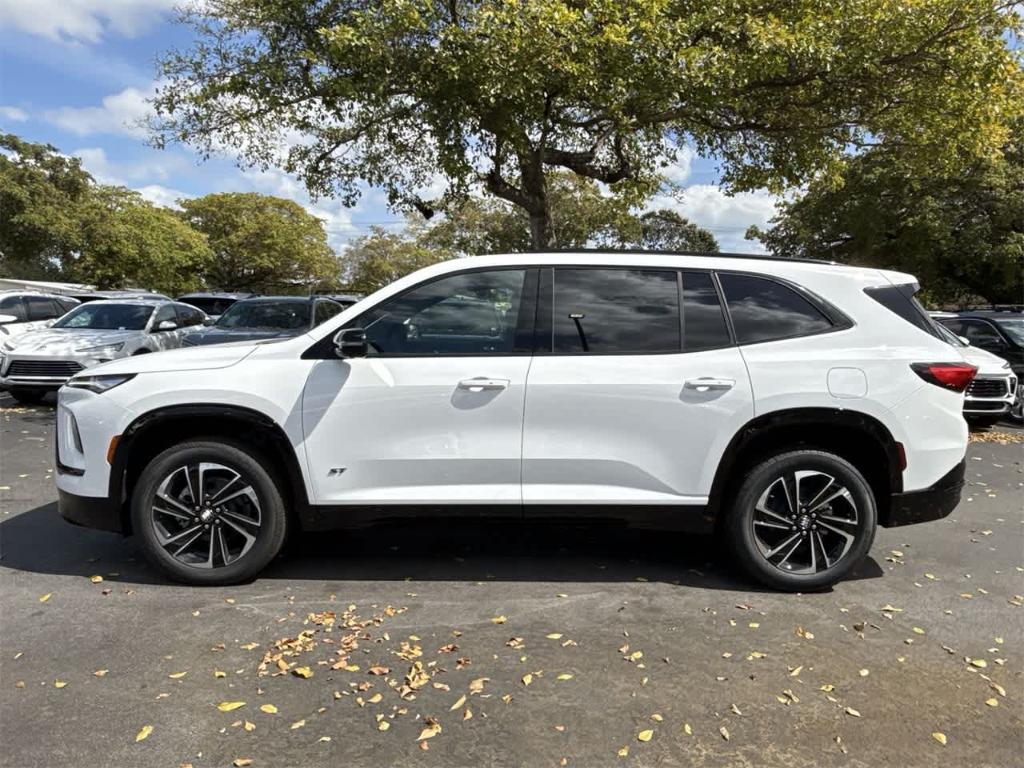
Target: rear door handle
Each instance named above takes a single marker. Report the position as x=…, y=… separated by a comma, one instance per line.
x=706, y=384
x=481, y=384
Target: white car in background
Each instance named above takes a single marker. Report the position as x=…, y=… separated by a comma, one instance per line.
x=993, y=393
x=22, y=311
x=40, y=361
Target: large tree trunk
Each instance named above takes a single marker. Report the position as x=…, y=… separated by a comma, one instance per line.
x=541, y=233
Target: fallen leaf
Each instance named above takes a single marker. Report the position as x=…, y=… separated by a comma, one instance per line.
x=217, y=673
x=177, y=675
x=624, y=752
x=467, y=715
x=979, y=663
x=241, y=762
x=940, y=737
x=59, y=684
x=249, y=726
x=645, y=735
x=430, y=731
x=725, y=732
x=303, y=672
x=96, y=579
x=527, y=678
x=44, y=598
x=687, y=729
x=378, y=670
x=143, y=733
x=250, y=646
x=101, y=672
x=230, y=706
x=564, y=676
x=297, y=724
x=383, y=725
x=853, y=712
x=993, y=702
x=499, y=619
x=554, y=636
x=457, y=704
x=269, y=709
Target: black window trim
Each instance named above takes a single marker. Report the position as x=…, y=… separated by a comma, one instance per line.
x=840, y=320
x=324, y=349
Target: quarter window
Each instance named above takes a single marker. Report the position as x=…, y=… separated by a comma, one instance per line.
x=764, y=310
x=704, y=324
x=471, y=313
x=615, y=311
x=11, y=305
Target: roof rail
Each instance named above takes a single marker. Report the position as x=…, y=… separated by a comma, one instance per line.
x=707, y=254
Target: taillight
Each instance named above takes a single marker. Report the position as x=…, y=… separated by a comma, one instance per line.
x=954, y=376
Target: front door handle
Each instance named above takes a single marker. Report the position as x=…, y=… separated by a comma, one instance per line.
x=706, y=384
x=481, y=384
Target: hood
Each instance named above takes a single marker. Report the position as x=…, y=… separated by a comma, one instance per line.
x=225, y=335
x=987, y=363
x=179, y=360
x=55, y=341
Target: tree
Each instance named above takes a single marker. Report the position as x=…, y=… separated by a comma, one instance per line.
x=962, y=235
x=126, y=241
x=404, y=93
x=41, y=197
x=379, y=258
x=262, y=243
x=666, y=230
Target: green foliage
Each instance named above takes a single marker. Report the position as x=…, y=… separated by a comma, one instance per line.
x=379, y=258
x=127, y=241
x=261, y=243
x=41, y=197
x=666, y=230
x=962, y=235
x=501, y=92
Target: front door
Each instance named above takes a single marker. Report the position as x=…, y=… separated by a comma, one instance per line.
x=630, y=403
x=434, y=413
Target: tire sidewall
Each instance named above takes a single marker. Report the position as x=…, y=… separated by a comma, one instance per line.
x=740, y=527
x=272, y=512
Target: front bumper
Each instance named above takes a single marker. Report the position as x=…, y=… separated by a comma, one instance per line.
x=933, y=503
x=91, y=512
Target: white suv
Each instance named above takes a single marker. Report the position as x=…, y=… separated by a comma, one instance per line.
x=790, y=405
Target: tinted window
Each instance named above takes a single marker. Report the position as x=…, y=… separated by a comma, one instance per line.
x=165, y=312
x=189, y=315
x=900, y=300
x=66, y=305
x=41, y=308
x=763, y=310
x=473, y=313
x=1013, y=327
x=325, y=310
x=607, y=311
x=11, y=305
x=209, y=304
x=120, y=317
x=981, y=334
x=281, y=315
x=703, y=320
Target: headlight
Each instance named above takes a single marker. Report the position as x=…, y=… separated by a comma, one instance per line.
x=100, y=384
x=104, y=348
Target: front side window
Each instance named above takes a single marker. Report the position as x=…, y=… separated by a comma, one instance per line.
x=764, y=310
x=704, y=324
x=189, y=315
x=472, y=313
x=108, y=317
x=325, y=310
x=615, y=311
x=981, y=334
x=164, y=314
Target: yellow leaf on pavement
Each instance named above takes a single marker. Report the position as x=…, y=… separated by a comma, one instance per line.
x=303, y=672
x=940, y=737
x=269, y=709
x=645, y=735
x=229, y=706
x=457, y=704
x=143, y=733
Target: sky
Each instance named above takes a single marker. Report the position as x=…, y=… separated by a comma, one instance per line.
x=77, y=74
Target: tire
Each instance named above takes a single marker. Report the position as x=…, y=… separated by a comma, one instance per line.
x=755, y=525
x=983, y=422
x=221, y=552
x=28, y=396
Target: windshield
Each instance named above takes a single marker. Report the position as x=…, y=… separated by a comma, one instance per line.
x=210, y=305
x=275, y=315
x=1013, y=327
x=108, y=317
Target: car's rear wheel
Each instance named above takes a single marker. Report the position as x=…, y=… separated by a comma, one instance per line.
x=801, y=521
x=983, y=422
x=28, y=396
x=208, y=512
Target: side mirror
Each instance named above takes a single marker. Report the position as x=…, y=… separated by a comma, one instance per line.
x=7, y=319
x=350, y=342
x=965, y=340
x=167, y=325
x=208, y=320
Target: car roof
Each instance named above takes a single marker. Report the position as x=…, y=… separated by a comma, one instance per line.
x=216, y=295
x=30, y=292
x=273, y=299
x=991, y=314
x=130, y=302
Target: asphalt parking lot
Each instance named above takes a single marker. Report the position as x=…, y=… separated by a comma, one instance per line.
x=433, y=645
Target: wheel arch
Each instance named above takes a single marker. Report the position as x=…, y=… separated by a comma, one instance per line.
x=253, y=431
x=859, y=438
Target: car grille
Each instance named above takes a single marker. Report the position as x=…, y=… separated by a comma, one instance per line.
x=988, y=388
x=39, y=368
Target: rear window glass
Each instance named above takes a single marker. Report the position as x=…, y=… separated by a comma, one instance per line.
x=899, y=299
x=764, y=310
x=703, y=320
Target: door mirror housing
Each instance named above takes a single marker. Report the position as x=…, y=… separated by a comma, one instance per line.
x=350, y=342
x=166, y=325
x=7, y=319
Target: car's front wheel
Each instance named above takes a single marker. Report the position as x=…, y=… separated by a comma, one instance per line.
x=801, y=521
x=28, y=396
x=208, y=512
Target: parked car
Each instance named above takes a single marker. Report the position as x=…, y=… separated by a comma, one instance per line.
x=345, y=299
x=87, y=296
x=778, y=401
x=266, y=317
x=213, y=304
x=37, y=362
x=22, y=311
x=1000, y=332
x=993, y=393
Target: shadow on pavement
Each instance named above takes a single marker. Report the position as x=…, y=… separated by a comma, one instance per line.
x=41, y=541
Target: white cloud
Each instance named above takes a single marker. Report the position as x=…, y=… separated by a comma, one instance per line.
x=678, y=171
x=151, y=166
x=162, y=196
x=83, y=21
x=727, y=216
x=14, y=114
x=118, y=113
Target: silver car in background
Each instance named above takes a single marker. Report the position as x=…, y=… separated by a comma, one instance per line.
x=37, y=362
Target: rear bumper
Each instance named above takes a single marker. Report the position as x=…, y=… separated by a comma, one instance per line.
x=927, y=504
x=90, y=511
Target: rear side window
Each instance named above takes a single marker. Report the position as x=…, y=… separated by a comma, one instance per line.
x=11, y=305
x=41, y=308
x=704, y=324
x=899, y=299
x=764, y=310
x=615, y=311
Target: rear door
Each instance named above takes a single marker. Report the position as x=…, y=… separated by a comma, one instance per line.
x=635, y=390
